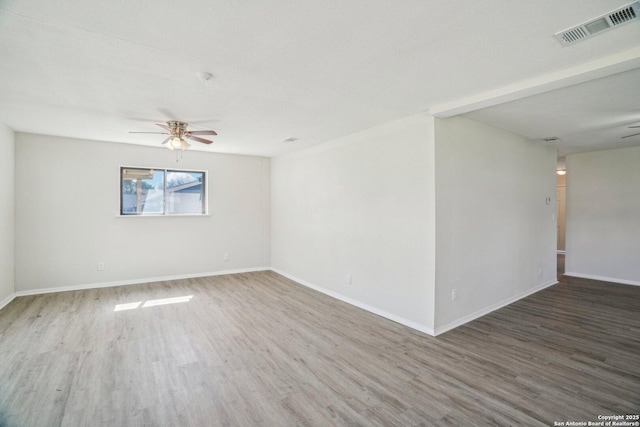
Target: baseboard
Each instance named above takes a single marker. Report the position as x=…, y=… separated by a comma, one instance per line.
x=602, y=278
x=561, y=252
x=7, y=300
x=468, y=318
x=135, y=281
x=411, y=324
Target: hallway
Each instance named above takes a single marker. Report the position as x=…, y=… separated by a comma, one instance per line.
x=560, y=268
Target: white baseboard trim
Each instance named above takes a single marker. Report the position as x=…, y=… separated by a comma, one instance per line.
x=602, y=278
x=7, y=300
x=411, y=324
x=561, y=252
x=468, y=318
x=135, y=281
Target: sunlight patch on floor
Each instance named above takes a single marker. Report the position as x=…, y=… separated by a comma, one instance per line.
x=152, y=303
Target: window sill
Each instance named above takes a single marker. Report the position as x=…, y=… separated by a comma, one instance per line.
x=163, y=216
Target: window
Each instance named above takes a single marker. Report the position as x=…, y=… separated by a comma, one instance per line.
x=146, y=191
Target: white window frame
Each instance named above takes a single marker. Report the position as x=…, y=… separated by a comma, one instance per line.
x=205, y=193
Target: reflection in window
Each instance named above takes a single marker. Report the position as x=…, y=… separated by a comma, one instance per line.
x=142, y=191
x=184, y=192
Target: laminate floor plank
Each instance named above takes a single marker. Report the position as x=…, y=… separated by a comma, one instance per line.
x=258, y=349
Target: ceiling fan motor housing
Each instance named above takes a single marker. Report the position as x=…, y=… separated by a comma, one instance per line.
x=178, y=128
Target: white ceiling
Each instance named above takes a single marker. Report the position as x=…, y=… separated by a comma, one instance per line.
x=311, y=70
x=590, y=116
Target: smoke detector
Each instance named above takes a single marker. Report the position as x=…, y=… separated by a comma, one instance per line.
x=204, y=76
x=608, y=21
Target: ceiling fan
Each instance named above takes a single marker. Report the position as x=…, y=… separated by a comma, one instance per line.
x=633, y=134
x=178, y=134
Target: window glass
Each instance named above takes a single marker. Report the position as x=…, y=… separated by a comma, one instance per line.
x=142, y=191
x=147, y=191
x=185, y=192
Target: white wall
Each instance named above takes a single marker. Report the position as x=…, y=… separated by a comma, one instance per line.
x=603, y=215
x=494, y=229
x=7, y=169
x=361, y=205
x=67, y=201
x=364, y=205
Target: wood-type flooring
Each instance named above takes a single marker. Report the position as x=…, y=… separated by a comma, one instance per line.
x=258, y=349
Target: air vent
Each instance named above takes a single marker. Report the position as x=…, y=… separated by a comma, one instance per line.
x=624, y=15
x=597, y=25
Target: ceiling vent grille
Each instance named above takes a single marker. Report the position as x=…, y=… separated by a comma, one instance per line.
x=602, y=23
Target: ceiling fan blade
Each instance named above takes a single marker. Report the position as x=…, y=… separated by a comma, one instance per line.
x=203, y=132
x=195, y=138
x=629, y=136
x=157, y=133
x=167, y=140
x=162, y=125
x=631, y=127
x=166, y=113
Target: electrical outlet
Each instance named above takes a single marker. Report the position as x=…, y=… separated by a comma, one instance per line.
x=539, y=272
x=454, y=295
x=101, y=266
x=226, y=257
x=348, y=279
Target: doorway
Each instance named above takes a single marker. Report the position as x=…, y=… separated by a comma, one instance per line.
x=561, y=214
